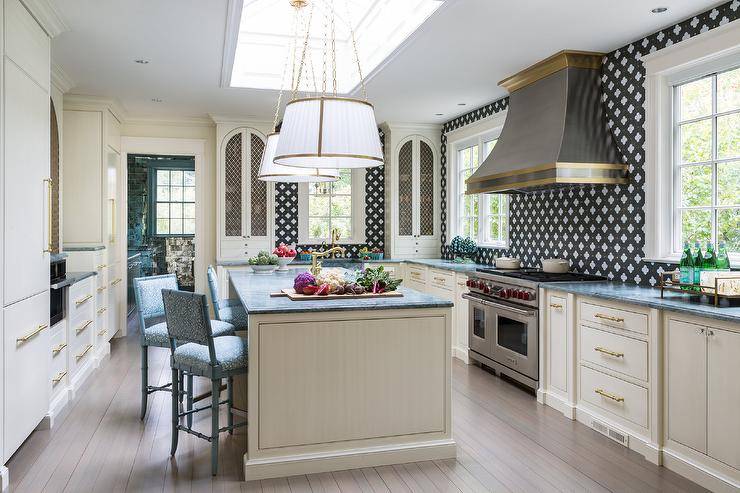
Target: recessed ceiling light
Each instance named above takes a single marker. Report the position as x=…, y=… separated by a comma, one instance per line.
x=659, y=10
x=156, y=100
x=461, y=104
x=439, y=114
x=141, y=61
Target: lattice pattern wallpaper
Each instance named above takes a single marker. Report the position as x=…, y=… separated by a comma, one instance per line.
x=598, y=228
x=286, y=211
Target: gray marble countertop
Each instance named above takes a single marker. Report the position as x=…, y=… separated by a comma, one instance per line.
x=254, y=292
x=85, y=248
x=244, y=263
x=72, y=278
x=56, y=257
x=649, y=297
x=438, y=263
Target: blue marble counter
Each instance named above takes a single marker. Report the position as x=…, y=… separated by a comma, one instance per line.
x=56, y=257
x=85, y=248
x=72, y=278
x=244, y=263
x=253, y=290
x=649, y=297
x=438, y=263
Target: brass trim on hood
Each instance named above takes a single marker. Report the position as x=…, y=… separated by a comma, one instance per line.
x=548, y=66
x=551, y=181
x=526, y=171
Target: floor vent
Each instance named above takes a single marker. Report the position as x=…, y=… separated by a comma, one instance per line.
x=617, y=436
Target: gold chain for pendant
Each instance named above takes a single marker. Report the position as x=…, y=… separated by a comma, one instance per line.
x=303, y=54
x=333, y=50
x=294, y=42
x=324, y=53
x=354, y=47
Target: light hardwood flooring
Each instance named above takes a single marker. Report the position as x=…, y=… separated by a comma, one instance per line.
x=506, y=442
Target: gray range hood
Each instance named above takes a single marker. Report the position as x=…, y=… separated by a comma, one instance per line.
x=555, y=132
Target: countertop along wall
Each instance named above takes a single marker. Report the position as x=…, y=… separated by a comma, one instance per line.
x=598, y=228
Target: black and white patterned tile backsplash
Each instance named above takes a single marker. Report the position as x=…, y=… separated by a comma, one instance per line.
x=598, y=228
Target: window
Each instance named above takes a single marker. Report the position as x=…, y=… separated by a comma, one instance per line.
x=339, y=205
x=707, y=160
x=174, y=202
x=482, y=217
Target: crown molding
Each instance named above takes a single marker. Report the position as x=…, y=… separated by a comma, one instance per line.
x=170, y=121
x=60, y=79
x=47, y=15
x=246, y=120
x=413, y=126
x=88, y=102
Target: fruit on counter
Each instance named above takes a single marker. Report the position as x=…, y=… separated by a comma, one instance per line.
x=284, y=251
x=303, y=280
x=263, y=258
x=309, y=290
x=323, y=290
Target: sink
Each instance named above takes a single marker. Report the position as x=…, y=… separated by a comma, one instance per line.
x=346, y=263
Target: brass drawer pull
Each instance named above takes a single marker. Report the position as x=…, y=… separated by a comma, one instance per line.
x=58, y=349
x=82, y=327
x=557, y=306
x=103, y=332
x=102, y=288
x=604, y=393
x=58, y=378
x=116, y=281
x=609, y=352
x=50, y=200
x=609, y=317
x=102, y=266
x=31, y=335
x=83, y=300
x=440, y=279
x=102, y=310
x=83, y=353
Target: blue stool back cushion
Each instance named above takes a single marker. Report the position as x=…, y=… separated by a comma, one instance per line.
x=213, y=287
x=148, y=292
x=187, y=316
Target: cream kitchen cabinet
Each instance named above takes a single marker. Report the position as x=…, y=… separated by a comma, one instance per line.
x=246, y=214
x=460, y=322
x=116, y=303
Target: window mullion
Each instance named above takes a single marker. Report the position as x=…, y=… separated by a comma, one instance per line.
x=715, y=144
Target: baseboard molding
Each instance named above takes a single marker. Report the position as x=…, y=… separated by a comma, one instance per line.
x=82, y=375
x=556, y=402
x=698, y=473
x=343, y=460
x=461, y=353
x=102, y=352
x=652, y=452
x=4, y=479
x=58, y=408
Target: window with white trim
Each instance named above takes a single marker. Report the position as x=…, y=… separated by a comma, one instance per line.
x=482, y=217
x=707, y=160
x=338, y=205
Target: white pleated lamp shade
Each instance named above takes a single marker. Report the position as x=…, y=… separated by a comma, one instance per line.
x=269, y=171
x=329, y=133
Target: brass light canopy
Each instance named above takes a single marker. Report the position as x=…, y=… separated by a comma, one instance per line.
x=555, y=132
x=298, y=4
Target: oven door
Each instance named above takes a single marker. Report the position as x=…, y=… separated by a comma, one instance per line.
x=480, y=326
x=516, y=339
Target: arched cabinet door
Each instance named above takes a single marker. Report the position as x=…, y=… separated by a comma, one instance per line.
x=245, y=214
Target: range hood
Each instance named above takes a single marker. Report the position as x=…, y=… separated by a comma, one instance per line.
x=555, y=132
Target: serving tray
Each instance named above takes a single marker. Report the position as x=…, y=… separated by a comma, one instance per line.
x=290, y=293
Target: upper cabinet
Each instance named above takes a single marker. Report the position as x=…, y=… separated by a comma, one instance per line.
x=27, y=44
x=245, y=211
x=413, y=189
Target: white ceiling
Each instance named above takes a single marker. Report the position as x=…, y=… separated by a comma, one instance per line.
x=457, y=56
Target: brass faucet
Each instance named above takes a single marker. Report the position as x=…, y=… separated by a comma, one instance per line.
x=315, y=265
x=335, y=239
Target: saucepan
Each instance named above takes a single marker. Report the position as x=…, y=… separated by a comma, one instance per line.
x=555, y=265
x=508, y=263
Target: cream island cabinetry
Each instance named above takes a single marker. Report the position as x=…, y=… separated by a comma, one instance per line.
x=659, y=382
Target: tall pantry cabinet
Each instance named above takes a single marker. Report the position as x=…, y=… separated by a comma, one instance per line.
x=25, y=223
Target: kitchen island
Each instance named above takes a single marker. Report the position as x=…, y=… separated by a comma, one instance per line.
x=346, y=383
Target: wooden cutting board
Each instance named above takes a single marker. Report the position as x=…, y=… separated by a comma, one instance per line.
x=290, y=293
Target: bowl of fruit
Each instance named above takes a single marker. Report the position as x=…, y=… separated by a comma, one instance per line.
x=263, y=263
x=285, y=255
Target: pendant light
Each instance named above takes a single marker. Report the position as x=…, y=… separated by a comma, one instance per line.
x=271, y=171
x=329, y=132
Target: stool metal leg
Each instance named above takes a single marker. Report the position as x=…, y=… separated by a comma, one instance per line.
x=180, y=394
x=144, y=379
x=190, y=400
x=175, y=409
x=215, y=397
x=229, y=403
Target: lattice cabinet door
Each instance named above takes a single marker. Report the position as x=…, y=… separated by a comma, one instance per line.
x=245, y=214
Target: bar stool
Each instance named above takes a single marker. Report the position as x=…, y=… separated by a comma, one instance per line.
x=196, y=351
x=148, y=293
x=230, y=311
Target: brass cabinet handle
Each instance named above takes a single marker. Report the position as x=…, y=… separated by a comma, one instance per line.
x=609, y=317
x=84, y=352
x=710, y=332
x=58, y=378
x=556, y=305
x=102, y=310
x=116, y=281
x=102, y=266
x=609, y=352
x=31, y=335
x=102, y=288
x=83, y=300
x=58, y=349
x=49, y=183
x=604, y=393
x=82, y=327
x=440, y=279
x=102, y=332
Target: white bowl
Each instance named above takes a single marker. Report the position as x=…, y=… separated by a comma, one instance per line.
x=263, y=269
x=283, y=263
x=555, y=265
x=508, y=263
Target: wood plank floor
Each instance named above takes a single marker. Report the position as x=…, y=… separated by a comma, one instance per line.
x=506, y=442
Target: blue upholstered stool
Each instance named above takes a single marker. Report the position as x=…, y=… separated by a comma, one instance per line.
x=230, y=311
x=195, y=351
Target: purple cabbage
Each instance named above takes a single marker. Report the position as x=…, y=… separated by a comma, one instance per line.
x=302, y=280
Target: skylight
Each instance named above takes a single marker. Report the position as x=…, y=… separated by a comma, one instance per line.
x=266, y=37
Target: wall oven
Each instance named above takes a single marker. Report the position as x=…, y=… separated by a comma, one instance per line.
x=58, y=273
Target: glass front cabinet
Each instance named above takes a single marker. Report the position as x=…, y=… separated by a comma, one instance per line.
x=245, y=214
x=416, y=188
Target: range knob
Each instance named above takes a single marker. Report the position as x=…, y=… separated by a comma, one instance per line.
x=469, y=283
x=481, y=284
x=487, y=289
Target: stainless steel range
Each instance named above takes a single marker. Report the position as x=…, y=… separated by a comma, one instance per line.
x=504, y=319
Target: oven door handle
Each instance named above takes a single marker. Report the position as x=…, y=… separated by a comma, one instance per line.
x=475, y=299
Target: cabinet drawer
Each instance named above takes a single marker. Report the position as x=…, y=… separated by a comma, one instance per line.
x=81, y=298
x=81, y=332
x=418, y=286
x=442, y=279
x=615, y=352
x=58, y=369
x=80, y=356
x=417, y=274
x=614, y=395
x=614, y=317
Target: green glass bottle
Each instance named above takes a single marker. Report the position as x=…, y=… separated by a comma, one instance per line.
x=723, y=260
x=698, y=261
x=686, y=266
x=710, y=258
